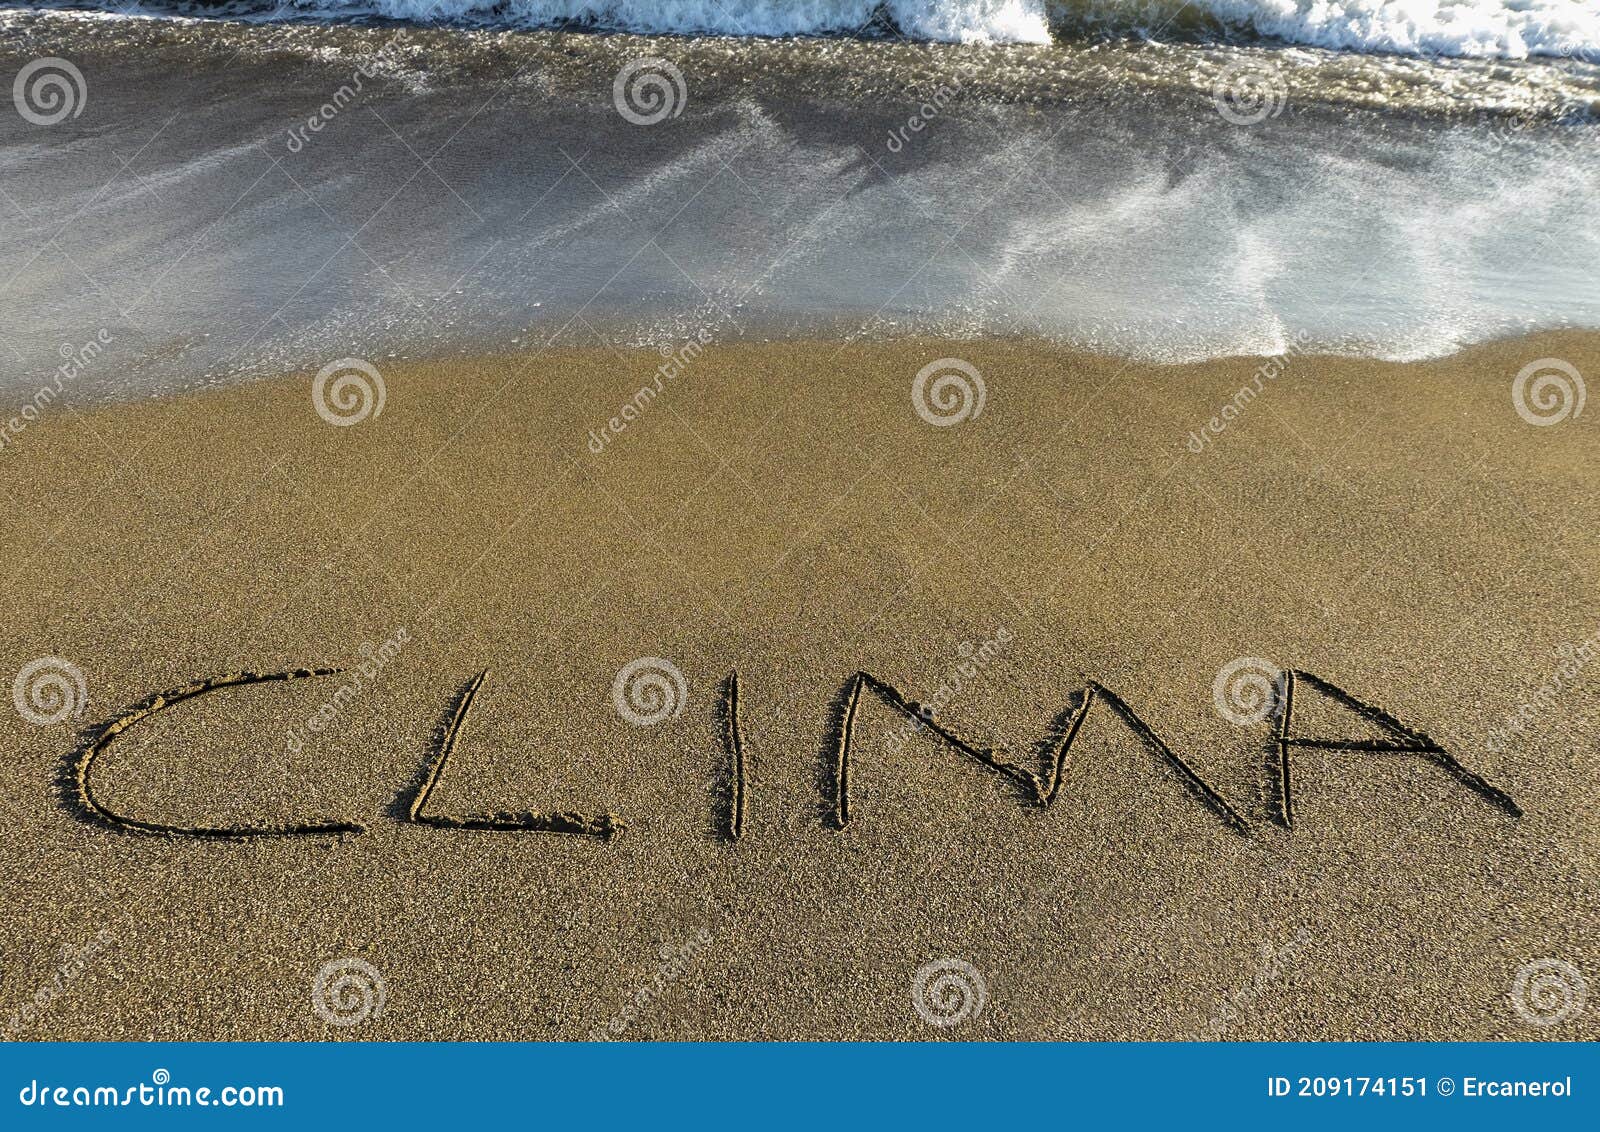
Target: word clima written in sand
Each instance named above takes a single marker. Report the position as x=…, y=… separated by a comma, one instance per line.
x=1038, y=785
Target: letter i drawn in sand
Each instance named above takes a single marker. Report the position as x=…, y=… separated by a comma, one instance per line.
x=733, y=827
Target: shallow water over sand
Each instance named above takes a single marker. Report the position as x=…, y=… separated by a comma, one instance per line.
x=233, y=200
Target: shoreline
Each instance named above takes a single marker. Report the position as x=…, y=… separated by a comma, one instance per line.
x=80, y=360
x=1043, y=562
x=906, y=191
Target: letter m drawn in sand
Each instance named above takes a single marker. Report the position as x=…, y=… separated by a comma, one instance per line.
x=1041, y=789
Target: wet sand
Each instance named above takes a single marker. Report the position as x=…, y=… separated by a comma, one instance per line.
x=1398, y=532
x=407, y=192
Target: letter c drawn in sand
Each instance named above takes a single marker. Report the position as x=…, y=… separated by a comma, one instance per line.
x=83, y=764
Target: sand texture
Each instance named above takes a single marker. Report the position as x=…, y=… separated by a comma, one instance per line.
x=475, y=818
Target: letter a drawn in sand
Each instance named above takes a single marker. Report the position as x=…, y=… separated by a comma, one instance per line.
x=1401, y=740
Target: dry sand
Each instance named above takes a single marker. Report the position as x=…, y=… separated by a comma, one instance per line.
x=782, y=511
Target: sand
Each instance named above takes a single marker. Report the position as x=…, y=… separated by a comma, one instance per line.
x=1398, y=532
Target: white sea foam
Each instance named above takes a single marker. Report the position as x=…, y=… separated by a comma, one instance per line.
x=1146, y=225
x=1511, y=29
x=1490, y=29
x=1505, y=29
x=957, y=21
